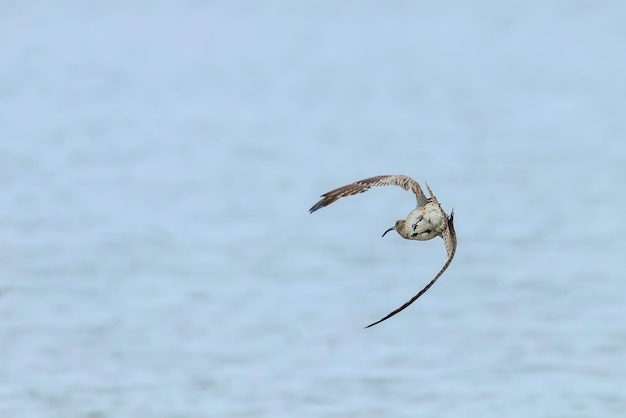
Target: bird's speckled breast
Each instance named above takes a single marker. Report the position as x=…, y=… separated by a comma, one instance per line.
x=426, y=222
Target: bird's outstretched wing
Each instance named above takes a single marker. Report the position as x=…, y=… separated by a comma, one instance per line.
x=364, y=185
x=449, y=240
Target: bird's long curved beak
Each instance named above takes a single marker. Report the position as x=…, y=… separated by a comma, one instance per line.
x=390, y=229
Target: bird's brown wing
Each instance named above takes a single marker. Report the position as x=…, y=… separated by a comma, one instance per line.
x=449, y=240
x=364, y=185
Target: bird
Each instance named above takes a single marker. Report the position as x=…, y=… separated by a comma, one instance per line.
x=427, y=221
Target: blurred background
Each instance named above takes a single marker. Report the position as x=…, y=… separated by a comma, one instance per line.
x=157, y=164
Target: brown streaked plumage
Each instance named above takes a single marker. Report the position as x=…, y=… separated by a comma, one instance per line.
x=423, y=223
x=362, y=186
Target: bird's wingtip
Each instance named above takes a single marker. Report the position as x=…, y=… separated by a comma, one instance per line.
x=317, y=206
x=374, y=323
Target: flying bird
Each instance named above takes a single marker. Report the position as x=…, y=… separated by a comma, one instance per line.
x=427, y=221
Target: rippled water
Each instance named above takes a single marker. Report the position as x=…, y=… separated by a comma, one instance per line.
x=157, y=163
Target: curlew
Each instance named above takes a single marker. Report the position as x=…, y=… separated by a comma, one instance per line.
x=427, y=221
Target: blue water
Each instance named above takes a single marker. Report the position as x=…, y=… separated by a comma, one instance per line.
x=157, y=163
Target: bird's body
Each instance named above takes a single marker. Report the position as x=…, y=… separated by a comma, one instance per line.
x=427, y=221
x=423, y=223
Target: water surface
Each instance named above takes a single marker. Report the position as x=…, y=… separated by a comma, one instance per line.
x=157, y=163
